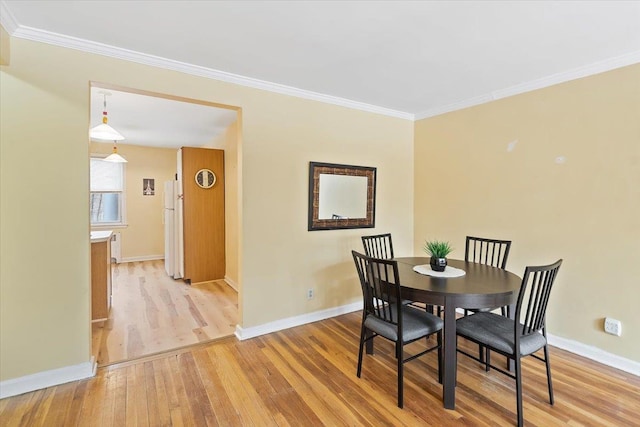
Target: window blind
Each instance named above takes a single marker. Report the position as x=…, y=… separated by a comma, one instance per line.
x=106, y=176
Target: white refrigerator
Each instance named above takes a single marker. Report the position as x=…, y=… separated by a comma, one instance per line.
x=173, y=230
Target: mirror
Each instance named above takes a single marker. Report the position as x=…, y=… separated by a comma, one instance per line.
x=341, y=196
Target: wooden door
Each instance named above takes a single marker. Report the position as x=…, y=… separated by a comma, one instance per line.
x=203, y=216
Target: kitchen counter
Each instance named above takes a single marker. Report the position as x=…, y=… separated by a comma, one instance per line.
x=100, y=236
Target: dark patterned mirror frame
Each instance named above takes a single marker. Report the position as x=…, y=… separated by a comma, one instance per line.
x=317, y=168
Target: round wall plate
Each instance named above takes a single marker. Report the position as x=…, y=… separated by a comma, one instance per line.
x=205, y=178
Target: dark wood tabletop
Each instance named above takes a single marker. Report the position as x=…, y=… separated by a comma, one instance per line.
x=482, y=286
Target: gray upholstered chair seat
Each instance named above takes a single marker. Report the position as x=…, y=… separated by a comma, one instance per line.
x=384, y=307
x=497, y=331
x=491, y=252
x=415, y=324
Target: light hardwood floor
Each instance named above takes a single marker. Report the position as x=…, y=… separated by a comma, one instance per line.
x=306, y=376
x=153, y=313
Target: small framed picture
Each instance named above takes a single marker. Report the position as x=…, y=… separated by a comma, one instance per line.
x=148, y=187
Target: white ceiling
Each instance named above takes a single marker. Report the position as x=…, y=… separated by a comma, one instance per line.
x=159, y=122
x=401, y=58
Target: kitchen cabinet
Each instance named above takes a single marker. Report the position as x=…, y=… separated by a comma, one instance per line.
x=100, y=275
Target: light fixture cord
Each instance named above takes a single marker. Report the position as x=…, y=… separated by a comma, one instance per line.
x=104, y=110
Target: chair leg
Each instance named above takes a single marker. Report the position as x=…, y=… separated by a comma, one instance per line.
x=362, y=338
x=481, y=353
x=546, y=361
x=399, y=356
x=519, y=390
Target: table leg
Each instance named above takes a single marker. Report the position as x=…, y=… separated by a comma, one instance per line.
x=450, y=357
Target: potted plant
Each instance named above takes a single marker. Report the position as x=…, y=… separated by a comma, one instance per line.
x=438, y=252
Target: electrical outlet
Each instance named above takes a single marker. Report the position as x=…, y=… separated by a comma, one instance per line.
x=612, y=326
x=310, y=294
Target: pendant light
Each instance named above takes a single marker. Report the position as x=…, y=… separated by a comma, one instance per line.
x=104, y=131
x=115, y=157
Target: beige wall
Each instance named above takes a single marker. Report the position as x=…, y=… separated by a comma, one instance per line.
x=550, y=210
x=228, y=142
x=44, y=251
x=281, y=258
x=5, y=47
x=143, y=238
x=586, y=210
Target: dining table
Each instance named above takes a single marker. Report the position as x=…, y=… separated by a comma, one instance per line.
x=481, y=286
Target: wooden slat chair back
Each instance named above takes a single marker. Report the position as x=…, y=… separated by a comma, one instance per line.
x=378, y=246
x=386, y=316
x=516, y=339
x=491, y=252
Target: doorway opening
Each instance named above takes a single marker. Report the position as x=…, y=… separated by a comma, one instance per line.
x=152, y=309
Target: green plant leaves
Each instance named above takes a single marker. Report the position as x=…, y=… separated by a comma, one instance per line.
x=437, y=248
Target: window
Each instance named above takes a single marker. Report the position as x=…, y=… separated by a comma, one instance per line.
x=107, y=192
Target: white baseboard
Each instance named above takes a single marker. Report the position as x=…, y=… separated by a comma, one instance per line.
x=142, y=258
x=81, y=371
x=278, y=325
x=590, y=352
x=576, y=347
x=596, y=354
x=231, y=283
x=45, y=379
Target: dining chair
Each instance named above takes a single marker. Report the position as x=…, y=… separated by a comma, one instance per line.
x=378, y=246
x=381, y=246
x=384, y=315
x=491, y=252
x=517, y=338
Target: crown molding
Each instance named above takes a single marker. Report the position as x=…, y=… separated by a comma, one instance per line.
x=554, y=79
x=7, y=20
x=482, y=99
x=48, y=37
